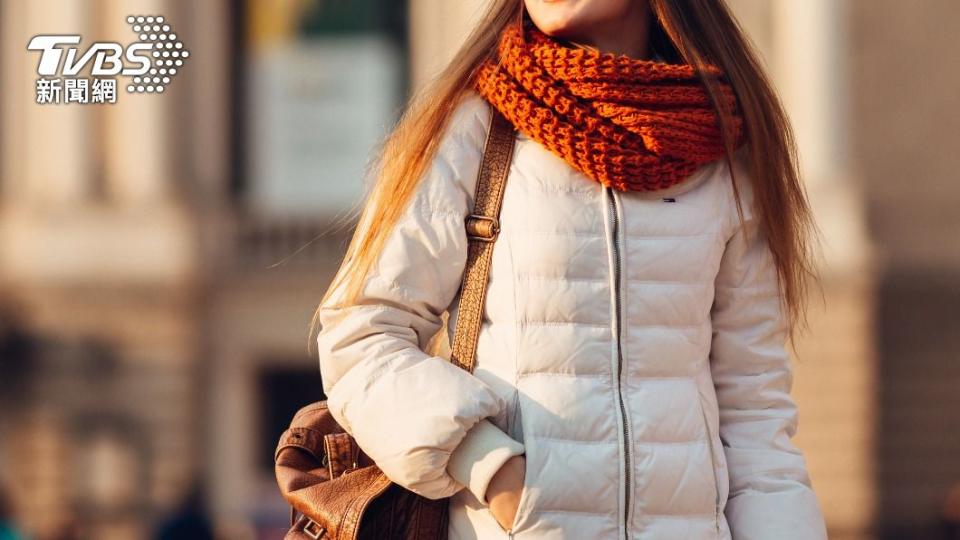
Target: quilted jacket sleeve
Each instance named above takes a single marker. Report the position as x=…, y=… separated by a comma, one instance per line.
x=770, y=490
x=422, y=419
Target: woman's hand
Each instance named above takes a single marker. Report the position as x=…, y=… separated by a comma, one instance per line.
x=503, y=493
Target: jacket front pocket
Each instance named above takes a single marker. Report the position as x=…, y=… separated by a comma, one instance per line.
x=713, y=462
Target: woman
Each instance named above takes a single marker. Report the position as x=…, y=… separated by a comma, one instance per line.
x=631, y=378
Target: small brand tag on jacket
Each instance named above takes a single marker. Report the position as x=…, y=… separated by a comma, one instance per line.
x=669, y=199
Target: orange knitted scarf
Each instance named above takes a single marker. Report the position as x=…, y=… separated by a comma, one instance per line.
x=629, y=124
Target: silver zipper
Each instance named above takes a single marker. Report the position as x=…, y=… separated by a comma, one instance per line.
x=628, y=470
x=713, y=467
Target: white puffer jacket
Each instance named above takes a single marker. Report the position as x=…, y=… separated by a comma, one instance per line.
x=632, y=349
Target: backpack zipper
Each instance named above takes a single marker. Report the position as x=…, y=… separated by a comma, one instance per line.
x=624, y=422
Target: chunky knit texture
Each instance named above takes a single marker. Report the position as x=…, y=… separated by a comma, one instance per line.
x=633, y=125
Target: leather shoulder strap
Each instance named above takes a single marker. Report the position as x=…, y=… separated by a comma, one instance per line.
x=483, y=227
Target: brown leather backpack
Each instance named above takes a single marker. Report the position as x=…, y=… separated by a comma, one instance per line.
x=334, y=489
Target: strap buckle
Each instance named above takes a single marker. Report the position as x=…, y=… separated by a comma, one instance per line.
x=482, y=228
x=313, y=529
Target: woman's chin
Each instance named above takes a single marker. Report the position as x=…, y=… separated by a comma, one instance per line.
x=557, y=27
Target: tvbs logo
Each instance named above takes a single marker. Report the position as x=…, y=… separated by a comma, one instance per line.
x=149, y=64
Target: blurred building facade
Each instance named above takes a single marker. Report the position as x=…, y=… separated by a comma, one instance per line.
x=162, y=256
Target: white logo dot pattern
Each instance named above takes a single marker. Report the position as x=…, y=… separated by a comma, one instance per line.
x=167, y=52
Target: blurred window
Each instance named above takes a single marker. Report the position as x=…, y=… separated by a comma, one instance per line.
x=321, y=82
x=282, y=392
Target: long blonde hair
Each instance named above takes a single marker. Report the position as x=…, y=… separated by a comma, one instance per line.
x=697, y=32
